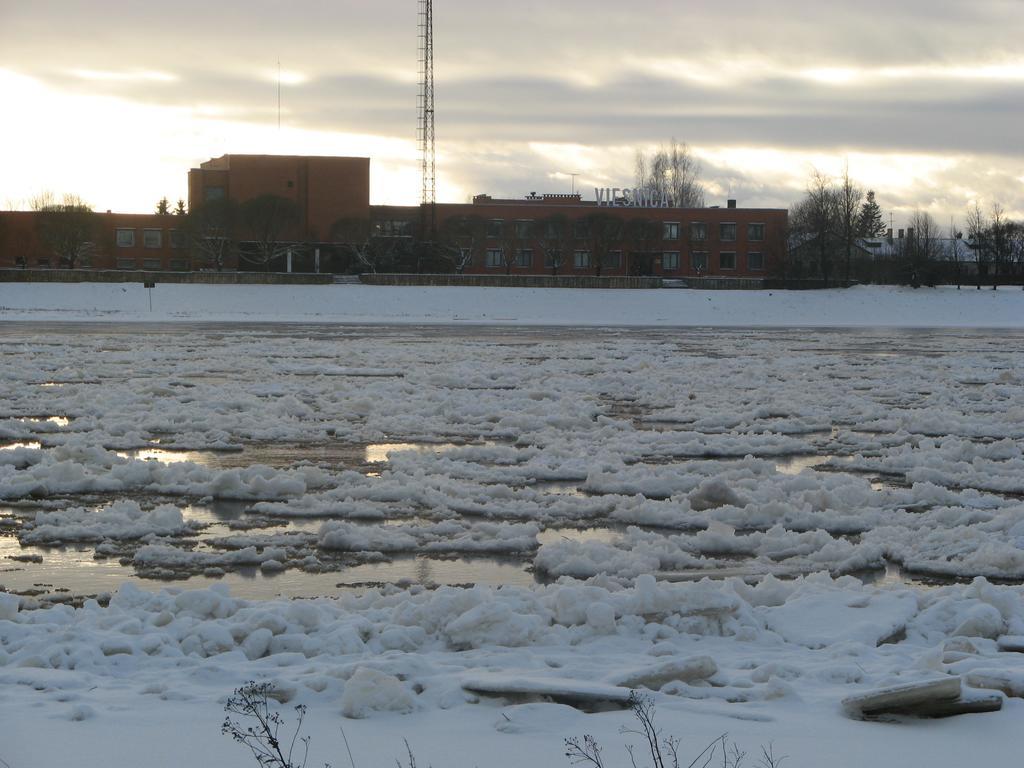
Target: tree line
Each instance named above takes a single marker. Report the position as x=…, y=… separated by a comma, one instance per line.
x=837, y=232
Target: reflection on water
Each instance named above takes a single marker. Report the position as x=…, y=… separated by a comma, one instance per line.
x=430, y=571
x=794, y=465
x=91, y=577
x=216, y=511
x=283, y=455
x=164, y=456
x=60, y=421
x=603, y=535
x=376, y=453
x=25, y=444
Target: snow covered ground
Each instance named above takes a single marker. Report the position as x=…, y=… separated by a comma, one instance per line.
x=856, y=497
x=872, y=306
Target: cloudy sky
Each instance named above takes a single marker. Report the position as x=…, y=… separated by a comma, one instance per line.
x=924, y=99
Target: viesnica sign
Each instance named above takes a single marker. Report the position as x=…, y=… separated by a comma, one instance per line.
x=614, y=197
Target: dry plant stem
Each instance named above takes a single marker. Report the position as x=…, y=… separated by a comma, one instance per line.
x=252, y=701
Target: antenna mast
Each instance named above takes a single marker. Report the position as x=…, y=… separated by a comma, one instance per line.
x=428, y=198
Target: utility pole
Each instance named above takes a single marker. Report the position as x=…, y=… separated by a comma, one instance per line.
x=428, y=197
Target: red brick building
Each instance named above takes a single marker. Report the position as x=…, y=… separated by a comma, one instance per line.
x=634, y=240
x=122, y=241
x=616, y=234
x=324, y=189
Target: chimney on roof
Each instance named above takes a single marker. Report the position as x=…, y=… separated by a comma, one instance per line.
x=901, y=234
x=730, y=203
x=910, y=232
x=888, y=234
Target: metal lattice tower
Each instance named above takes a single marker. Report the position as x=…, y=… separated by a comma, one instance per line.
x=428, y=197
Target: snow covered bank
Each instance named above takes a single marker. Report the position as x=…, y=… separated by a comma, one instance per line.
x=859, y=307
x=769, y=663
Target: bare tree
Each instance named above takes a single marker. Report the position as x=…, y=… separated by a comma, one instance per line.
x=211, y=230
x=671, y=171
x=269, y=222
x=920, y=248
x=604, y=232
x=555, y=236
x=848, y=206
x=999, y=238
x=372, y=253
x=69, y=228
x=1017, y=248
x=815, y=221
x=511, y=241
x=977, y=233
x=956, y=250
x=462, y=238
x=644, y=237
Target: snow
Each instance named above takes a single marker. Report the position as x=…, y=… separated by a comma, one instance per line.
x=813, y=475
x=173, y=656
x=943, y=307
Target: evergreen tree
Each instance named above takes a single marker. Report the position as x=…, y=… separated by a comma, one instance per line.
x=179, y=210
x=870, y=223
x=164, y=206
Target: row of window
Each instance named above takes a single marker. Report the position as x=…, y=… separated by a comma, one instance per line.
x=86, y=262
x=670, y=260
x=151, y=238
x=156, y=264
x=524, y=230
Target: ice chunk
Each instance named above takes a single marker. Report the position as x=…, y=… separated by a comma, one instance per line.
x=655, y=676
x=903, y=699
x=9, y=606
x=369, y=690
x=559, y=690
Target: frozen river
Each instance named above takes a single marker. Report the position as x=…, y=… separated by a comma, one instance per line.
x=574, y=487
x=303, y=460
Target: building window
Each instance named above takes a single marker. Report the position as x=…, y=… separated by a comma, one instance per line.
x=698, y=231
x=581, y=229
x=126, y=238
x=43, y=263
x=581, y=260
x=177, y=238
x=84, y=261
x=494, y=228
x=670, y=231
x=123, y=263
x=755, y=233
x=152, y=238
x=700, y=262
x=670, y=260
x=755, y=261
x=151, y=264
x=179, y=265
x=524, y=258
x=524, y=230
x=727, y=260
x=213, y=193
x=551, y=259
x=727, y=232
x=494, y=257
x=392, y=228
x=291, y=185
x=614, y=260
